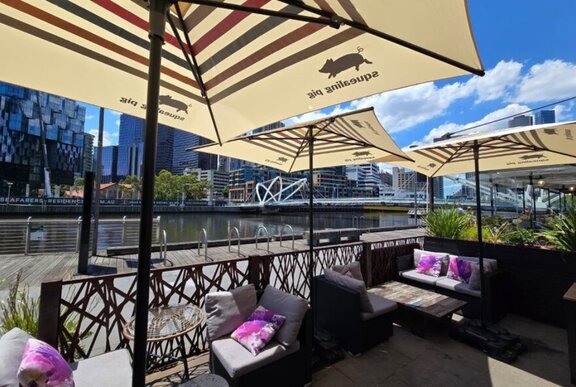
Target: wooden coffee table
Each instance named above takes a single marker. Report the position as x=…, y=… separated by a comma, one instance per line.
x=419, y=305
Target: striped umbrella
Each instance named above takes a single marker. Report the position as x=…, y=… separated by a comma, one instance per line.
x=225, y=66
x=513, y=148
x=347, y=139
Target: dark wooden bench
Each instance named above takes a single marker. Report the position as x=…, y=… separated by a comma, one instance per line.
x=333, y=236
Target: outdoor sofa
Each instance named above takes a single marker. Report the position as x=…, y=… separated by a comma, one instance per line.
x=496, y=282
x=111, y=369
x=358, y=320
x=285, y=361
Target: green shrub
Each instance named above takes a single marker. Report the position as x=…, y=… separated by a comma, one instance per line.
x=19, y=310
x=446, y=222
x=520, y=237
x=470, y=233
x=561, y=230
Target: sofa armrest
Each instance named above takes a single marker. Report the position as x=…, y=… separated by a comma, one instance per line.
x=496, y=288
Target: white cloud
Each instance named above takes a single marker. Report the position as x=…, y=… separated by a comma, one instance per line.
x=117, y=122
x=497, y=83
x=89, y=117
x=486, y=123
x=115, y=113
x=107, y=138
x=551, y=80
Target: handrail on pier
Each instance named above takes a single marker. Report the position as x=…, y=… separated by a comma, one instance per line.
x=163, y=247
x=282, y=229
x=203, y=239
x=266, y=234
x=233, y=229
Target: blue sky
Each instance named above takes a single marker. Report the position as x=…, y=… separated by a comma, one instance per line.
x=528, y=50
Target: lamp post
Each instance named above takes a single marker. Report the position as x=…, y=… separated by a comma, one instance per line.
x=9, y=183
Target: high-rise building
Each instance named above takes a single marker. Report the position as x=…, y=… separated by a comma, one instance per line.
x=109, y=164
x=182, y=159
x=544, y=117
x=88, y=154
x=366, y=177
x=520, y=121
x=41, y=140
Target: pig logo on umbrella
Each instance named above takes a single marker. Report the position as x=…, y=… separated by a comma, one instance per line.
x=169, y=101
x=333, y=67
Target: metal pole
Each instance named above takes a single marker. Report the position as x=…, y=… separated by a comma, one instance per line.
x=86, y=222
x=491, y=199
x=97, y=182
x=157, y=24
x=431, y=194
x=311, y=209
x=479, y=229
x=533, y=215
x=415, y=200
x=9, y=183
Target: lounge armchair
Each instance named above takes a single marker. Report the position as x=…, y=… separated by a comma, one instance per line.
x=339, y=310
x=279, y=363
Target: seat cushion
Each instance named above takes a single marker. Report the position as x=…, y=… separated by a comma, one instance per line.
x=42, y=365
x=381, y=306
x=352, y=269
x=457, y=286
x=419, y=253
x=292, y=307
x=490, y=264
x=354, y=285
x=111, y=369
x=225, y=311
x=424, y=278
x=238, y=361
x=12, y=345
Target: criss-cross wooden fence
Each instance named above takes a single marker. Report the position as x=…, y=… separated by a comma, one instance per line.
x=85, y=317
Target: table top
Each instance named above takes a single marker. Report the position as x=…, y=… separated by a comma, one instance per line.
x=437, y=305
x=168, y=322
x=206, y=380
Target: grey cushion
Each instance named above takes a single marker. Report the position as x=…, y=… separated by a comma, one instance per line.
x=111, y=369
x=474, y=282
x=225, y=311
x=354, y=285
x=238, y=361
x=11, y=348
x=424, y=278
x=404, y=262
x=292, y=307
x=490, y=264
x=381, y=306
x=353, y=270
x=457, y=286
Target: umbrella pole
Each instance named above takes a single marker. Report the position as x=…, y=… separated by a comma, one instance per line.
x=158, y=10
x=479, y=228
x=311, y=211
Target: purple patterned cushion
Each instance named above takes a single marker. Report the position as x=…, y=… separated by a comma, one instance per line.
x=429, y=265
x=42, y=365
x=258, y=330
x=459, y=269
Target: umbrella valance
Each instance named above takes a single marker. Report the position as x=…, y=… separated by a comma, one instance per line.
x=514, y=148
x=244, y=69
x=346, y=139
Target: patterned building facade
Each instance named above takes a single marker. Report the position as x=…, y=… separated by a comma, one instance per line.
x=41, y=140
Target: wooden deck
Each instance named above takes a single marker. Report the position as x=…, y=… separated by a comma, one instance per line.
x=37, y=268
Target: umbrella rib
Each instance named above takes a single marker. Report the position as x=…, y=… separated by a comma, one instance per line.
x=383, y=35
x=193, y=66
x=235, y=7
x=301, y=147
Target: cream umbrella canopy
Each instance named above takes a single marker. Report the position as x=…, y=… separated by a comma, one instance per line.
x=347, y=139
x=214, y=72
x=513, y=148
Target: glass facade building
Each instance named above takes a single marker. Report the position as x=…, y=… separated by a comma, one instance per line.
x=39, y=135
x=109, y=164
x=544, y=117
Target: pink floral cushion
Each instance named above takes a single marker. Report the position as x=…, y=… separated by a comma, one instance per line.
x=258, y=330
x=42, y=365
x=429, y=265
x=459, y=269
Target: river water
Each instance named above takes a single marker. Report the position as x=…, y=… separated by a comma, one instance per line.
x=187, y=227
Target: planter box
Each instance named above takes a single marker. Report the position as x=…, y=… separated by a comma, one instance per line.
x=538, y=277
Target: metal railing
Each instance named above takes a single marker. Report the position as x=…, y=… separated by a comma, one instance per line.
x=291, y=230
x=33, y=236
x=230, y=231
x=266, y=234
x=164, y=247
x=203, y=240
